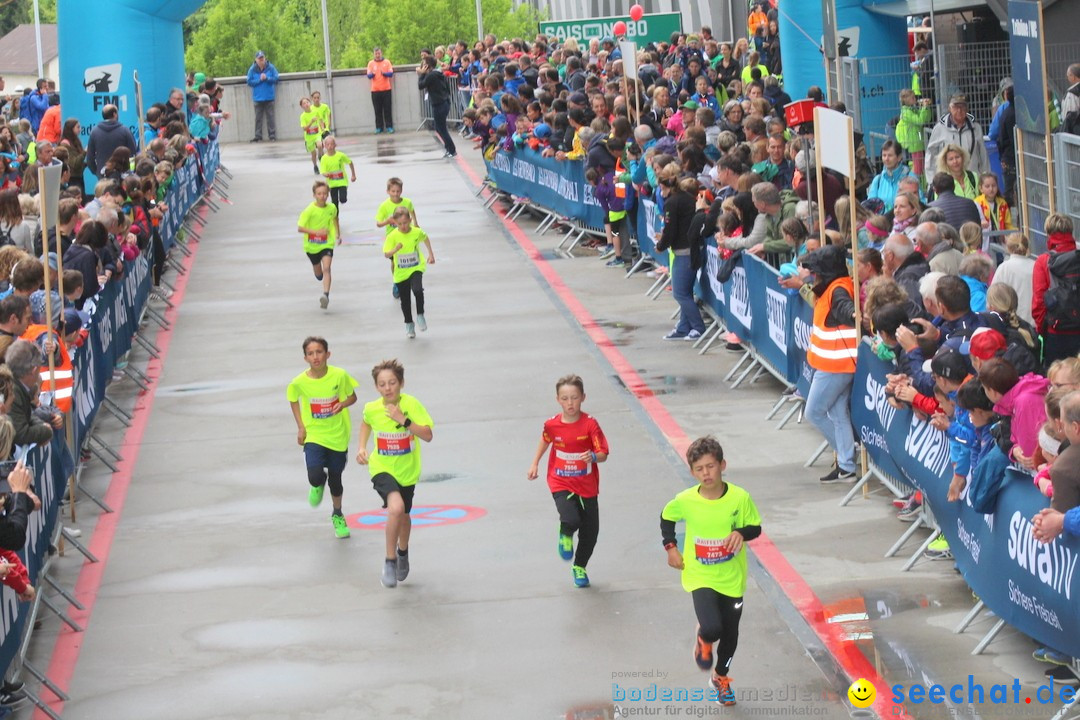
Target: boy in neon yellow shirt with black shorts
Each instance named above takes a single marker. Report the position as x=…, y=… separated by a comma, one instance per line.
x=402, y=246
x=310, y=124
x=332, y=166
x=397, y=421
x=323, y=111
x=384, y=215
x=318, y=223
x=720, y=518
x=320, y=398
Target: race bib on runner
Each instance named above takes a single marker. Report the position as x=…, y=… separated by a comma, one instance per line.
x=408, y=260
x=393, y=443
x=322, y=408
x=571, y=464
x=317, y=240
x=711, y=552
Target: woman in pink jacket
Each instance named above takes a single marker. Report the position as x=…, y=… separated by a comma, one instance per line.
x=1022, y=399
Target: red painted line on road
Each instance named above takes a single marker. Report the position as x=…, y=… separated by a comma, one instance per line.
x=65, y=654
x=845, y=651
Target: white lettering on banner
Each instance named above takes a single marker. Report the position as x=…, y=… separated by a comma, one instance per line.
x=650, y=226
x=928, y=445
x=589, y=198
x=501, y=162
x=120, y=308
x=801, y=330
x=739, y=301
x=105, y=330
x=876, y=401
x=568, y=189
x=968, y=540
x=1031, y=604
x=1053, y=564
x=776, y=302
x=86, y=398
x=43, y=483
x=1025, y=28
x=873, y=437
x=524, y=170
x=547, y=178
x=712, y=266
x=589, y=30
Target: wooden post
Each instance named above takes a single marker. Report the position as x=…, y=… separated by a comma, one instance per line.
x=1047, y=137
x=1020, y=175
x=817, y=171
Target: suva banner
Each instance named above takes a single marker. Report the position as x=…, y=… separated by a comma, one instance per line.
x=649, y=29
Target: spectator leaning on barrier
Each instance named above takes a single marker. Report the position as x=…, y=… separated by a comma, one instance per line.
x=106, y=136
x=957, y=127
x=1021, y=400
x=776, y=207
x=1055, y=298
x=834, y=345
x=262, y=76
x=381, y=74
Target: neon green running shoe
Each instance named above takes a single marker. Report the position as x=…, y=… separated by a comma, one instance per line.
x=566, y=547
x=938, y=549
x=581, y=578
x=314, y=496
x=341, y=528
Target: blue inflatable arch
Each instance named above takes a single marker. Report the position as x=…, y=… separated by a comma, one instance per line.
x=95, y=72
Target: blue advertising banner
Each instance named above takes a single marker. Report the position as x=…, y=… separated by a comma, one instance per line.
x=650, y=225
x=559, y=186
x=802, y=324
x=770, y=335
x=1033, y=587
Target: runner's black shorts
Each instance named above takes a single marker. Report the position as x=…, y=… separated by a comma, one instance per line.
x=316, y=258
x=385, y=483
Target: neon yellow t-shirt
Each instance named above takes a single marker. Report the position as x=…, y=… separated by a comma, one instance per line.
x=309, y=118
x=319, y=218
x=387, y=209
x=332, y=168
x=326, y=422
x=396, y=451
x=322, y=111
x=706, y=563
x=410, y=258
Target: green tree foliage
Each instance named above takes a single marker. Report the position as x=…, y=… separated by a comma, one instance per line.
x=223, y=36
x=14, y=13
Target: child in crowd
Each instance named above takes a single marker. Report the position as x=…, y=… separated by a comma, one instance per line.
x=402, y=247
x=318, y=224
x=611, y=194
x=396, y=420
x=384, y=215
x=993, y=208
x=704, y=96
x=322, y=110
x=522, y=131
x=332, y=166
x=310, y=124
x=914, y=114
x=577, y=445
x=320, y=398
x=1051, y=436
x=720, y=518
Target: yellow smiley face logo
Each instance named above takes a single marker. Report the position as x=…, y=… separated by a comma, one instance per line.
x=862, y=693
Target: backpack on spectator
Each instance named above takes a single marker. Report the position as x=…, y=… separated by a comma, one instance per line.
x=5, y=236
x=1063, y=297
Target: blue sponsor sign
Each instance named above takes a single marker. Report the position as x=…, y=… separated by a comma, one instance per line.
x=1026, y=45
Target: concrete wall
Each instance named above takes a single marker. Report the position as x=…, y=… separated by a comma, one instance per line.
x=352, y=109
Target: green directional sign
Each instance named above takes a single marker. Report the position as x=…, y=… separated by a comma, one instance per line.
x=649, y=29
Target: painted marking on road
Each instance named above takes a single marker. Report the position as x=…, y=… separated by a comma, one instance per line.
x=422, y=516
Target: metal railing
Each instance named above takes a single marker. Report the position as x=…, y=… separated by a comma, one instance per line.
x=459, y=100
x=1067, y=175
x=1035, y=179
x=974, y=70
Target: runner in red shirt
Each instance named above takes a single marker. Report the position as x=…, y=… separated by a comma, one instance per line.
x=578, y=444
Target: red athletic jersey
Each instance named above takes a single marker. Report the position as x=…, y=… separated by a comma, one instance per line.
x=569, y=465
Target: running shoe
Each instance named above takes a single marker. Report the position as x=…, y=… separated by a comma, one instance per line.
x=410, y=330
x=316, y=169
x=903, y=502
x=12, y=700
x=1060, y=675
x=324, y=301
x=341, y=528
x=692, y=335
x=838, y=476
x=581, y=578
x=607, y=252
x=314, y=496
x=566, y=547
x=910, y=512
x=675, y=335
x=733, y=347
x=378, y=131
x=617, y=262
x=402, y=565
x=703, y=651
x=389, y=574
x=1046, y=655
x=938, y=549
x=421, y=323
x=724, y=694
x=390, y=130
x=395, y=292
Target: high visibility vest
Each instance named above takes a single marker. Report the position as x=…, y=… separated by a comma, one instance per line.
x=63, y=375
x=833, y=349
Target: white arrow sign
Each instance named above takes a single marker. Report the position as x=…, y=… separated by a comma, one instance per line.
x=1027, y=60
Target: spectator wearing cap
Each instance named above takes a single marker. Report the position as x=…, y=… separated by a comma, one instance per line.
x=683, y=119
x=988, y=343
x=957, y=127
x=262, y=77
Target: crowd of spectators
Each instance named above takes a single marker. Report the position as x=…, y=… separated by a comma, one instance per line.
x=985, y=343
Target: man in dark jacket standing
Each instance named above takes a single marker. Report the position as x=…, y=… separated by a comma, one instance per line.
x=958, y=210
x=106, y=136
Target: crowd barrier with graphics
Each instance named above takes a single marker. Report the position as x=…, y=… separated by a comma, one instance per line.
x=116, y=313
x=1028, y=585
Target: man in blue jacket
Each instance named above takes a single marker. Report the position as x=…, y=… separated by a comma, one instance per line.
x=263, y=77
x=38, y=102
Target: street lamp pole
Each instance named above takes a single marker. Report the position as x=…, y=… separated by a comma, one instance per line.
x=479, y=22
x=326, y=51
x=37, y=39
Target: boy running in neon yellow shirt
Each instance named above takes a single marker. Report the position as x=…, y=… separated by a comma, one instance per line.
x=323, y=111
x=720, y=518
x=397, y=421
x=309, y=123
x=402, y=246
x=384, y=215
x=320, y=398
x=332, y=166
x=318, y=223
